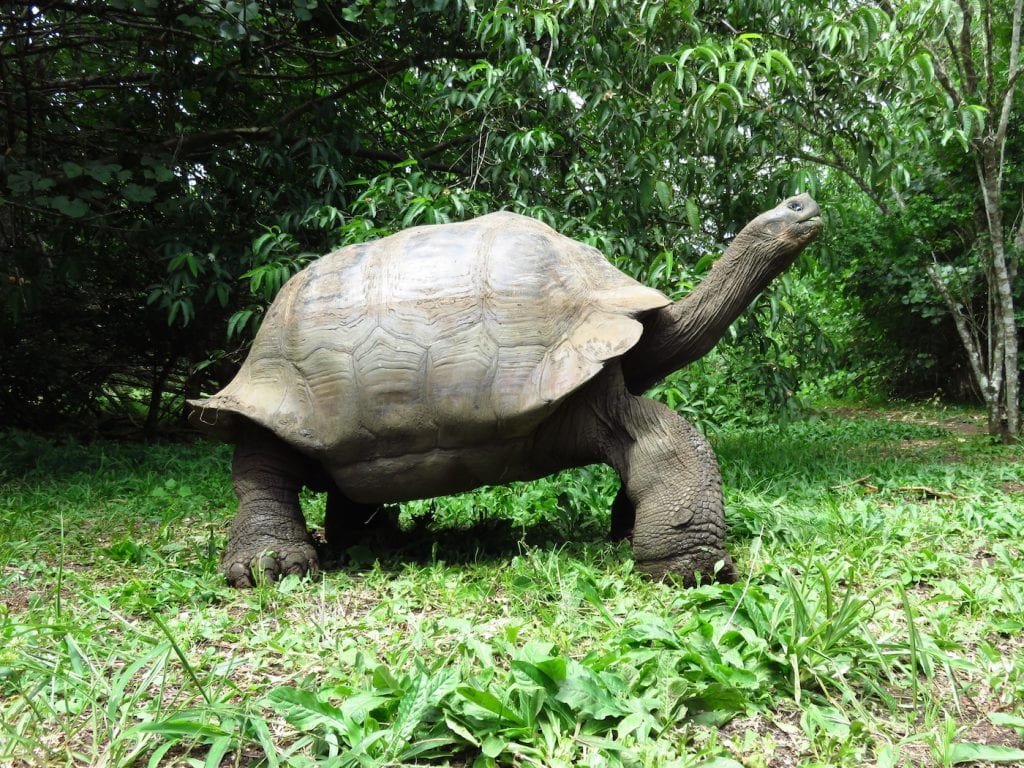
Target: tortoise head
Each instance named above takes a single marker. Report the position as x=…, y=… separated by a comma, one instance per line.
x=785, y=230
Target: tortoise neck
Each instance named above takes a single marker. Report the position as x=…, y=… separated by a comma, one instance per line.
x=685, y=331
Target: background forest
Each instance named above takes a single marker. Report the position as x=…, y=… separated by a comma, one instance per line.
x=166, y=166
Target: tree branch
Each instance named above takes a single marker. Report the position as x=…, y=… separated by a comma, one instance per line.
x=942, y=76
x=968, y=339
x=88, y=83
x=990, y=72
x=399, y=157
x=186, y=145
x=194, y=143
x=967, y=48
x=1012, y=73
x=1016, y=249
x=108, y=14
x=841, y=166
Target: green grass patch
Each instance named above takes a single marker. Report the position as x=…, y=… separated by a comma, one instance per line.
x=878, y=620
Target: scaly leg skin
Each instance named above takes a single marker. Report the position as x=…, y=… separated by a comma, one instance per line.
x=268, y=536
x=671, y=498
x=672, y=478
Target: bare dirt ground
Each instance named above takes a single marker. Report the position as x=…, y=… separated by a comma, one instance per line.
x=967, y=424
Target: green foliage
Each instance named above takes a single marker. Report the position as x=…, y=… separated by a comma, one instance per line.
x=875, y=624
x=889, y=324
x=162, y=174
x=915, y=104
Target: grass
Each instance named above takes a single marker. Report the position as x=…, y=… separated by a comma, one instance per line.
x=878, y=623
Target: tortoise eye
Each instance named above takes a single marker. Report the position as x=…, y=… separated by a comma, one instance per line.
x=795, y=206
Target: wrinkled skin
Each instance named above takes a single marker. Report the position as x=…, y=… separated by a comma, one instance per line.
x=670, y=503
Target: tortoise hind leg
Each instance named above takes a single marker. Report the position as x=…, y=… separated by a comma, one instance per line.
x=347, y=522
x=268, y=537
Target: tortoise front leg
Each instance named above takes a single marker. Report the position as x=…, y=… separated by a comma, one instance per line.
x=670, y=475
x=671, y=501
x=268, y=536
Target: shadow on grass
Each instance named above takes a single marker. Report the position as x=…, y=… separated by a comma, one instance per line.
x=486, y=539
x=101, y=488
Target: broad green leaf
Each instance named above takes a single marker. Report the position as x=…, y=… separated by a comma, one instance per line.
x=704, y=263
x=218, y=749
x=827, y=720
x=724, y=697
x=238, y=321
x=191, y=728
x=102, y=172
x=646, y=191
x=493, y=746
x=965, y=752
x=1006, y=720
x=489, y=702
x=304, y=709
x=751, y=68
x=259, y=726
x=138, y=194
x=721, y=762
x=664, y=194
x=156, y=760
x=461, y=730
x=75, y=208
x=778, y=62
x=887, y=756
x=588, y=693
x=924, y=63
x=425, y=691
x=693, y=214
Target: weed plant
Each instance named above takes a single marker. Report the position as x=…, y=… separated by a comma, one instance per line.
x=878, y=620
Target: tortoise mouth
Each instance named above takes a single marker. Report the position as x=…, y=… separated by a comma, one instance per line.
x=811, y=225
x=804, y=231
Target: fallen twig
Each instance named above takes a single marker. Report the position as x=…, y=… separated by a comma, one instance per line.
x=859, y=481
x=924, y=490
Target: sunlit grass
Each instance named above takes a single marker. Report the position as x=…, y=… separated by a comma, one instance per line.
x=877, y=620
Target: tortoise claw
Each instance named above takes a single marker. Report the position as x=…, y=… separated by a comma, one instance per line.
x=247, y=569
x=684, y=568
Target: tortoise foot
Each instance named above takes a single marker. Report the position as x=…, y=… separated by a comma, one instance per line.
x=691, y=568
x=245, y=568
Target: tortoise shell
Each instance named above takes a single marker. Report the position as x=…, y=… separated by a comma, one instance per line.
x=440, y=338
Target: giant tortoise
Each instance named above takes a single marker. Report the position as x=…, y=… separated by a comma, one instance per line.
x=446, y=357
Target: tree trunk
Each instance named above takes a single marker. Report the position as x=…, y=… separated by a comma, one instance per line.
x=156, y=394
x=970, y=340
x=1004, y=422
